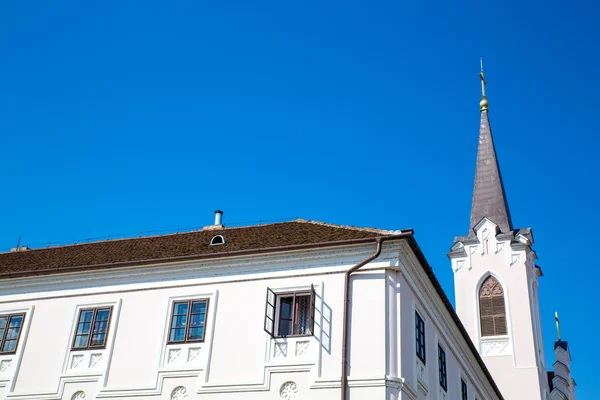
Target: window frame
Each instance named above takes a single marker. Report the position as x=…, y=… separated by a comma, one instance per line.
x=464, y=391
x=92, y=323
x=420, y=334
x=276, y=307
x=492, y=316
x=187, y=323
x=3, y=338
x=442, y=368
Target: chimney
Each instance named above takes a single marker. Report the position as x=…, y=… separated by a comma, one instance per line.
x=218, y=217
x=218, y=221
x=20, y=248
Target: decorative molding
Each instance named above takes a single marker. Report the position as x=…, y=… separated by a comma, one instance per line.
x=76, y=361
x=281, y=350
x=95, y=360
x=288, y=391
x=5, y=365
x=179, y=393
x=302, y=348
x=173, y=355
x=193, y=353
x=514, y=258
x=79, y=395
x=495, y=347
x=167, y=275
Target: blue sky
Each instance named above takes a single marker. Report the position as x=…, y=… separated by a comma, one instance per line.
x=127, y=117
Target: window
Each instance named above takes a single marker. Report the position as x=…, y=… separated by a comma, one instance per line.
x=290, y=314
x=463, y=390
x=10, y=331
x=217, y=239
x=420, y=336
x=188, y=321
x=92, y=328
x=442, y=368
x=491, y=308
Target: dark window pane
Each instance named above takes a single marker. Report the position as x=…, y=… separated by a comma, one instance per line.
x=198, y=307
x=285, y=327
x=3, y=321
x=487, y=326
x=179, y=321
x=86, y=316
x=285, y=308
x=497, y=304
x=181, y=308
x=195, y=333
x=485, y=306
x=83, y=327
x=500, y=325
x=81, y=341
x=197, y=320
x=16, y=321
x=9, y=346
x=98, y=340
x=177, y=335
x=102, y=315
x=100, y=326
x=13, y=333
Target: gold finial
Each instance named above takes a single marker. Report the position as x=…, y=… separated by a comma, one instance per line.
x=557, y=325
x=483, y=104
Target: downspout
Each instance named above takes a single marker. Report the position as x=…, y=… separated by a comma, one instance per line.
x=379, y=241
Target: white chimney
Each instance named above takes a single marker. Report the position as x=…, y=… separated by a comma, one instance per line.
x=218, y=217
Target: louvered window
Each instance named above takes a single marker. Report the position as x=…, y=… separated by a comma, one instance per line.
x=491, y=308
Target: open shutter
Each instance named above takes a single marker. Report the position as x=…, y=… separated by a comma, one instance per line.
x=270, y=313
x=311, y=325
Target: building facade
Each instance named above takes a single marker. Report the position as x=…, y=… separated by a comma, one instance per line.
x=295, y=310
x=258, y=314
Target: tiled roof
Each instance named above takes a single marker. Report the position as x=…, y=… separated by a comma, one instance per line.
x=109, y=253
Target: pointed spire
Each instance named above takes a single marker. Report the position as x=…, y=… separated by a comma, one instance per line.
x=489, y=198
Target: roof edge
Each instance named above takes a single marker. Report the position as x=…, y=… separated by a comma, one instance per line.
x=237, y=253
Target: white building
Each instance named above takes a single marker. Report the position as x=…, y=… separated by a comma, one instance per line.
x=295, y=310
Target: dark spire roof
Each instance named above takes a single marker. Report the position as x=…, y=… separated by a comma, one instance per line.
x=561, y=343
x=489, y=198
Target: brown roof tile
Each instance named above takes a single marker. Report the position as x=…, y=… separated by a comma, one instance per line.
x=155, y=248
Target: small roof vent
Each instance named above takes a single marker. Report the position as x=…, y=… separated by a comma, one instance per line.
x=217, y=239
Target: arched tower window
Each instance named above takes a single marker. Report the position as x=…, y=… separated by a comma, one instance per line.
x=491, y=308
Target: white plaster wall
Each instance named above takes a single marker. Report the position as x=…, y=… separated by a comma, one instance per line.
x=417, y=293
x=237, y=358
x=514, y=360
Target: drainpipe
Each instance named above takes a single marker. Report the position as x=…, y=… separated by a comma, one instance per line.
x=379, y=241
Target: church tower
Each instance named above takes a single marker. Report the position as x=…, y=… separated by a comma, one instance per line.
x=496, y=281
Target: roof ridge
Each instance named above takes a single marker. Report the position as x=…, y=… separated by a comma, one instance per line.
x=82, y=243
x=356, y=228
x=224, y=228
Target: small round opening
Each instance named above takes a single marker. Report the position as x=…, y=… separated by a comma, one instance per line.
x=218, y=239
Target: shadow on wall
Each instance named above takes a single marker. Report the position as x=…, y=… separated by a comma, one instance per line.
x=323, y=316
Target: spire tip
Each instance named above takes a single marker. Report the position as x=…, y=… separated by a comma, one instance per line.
x=483, y=104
